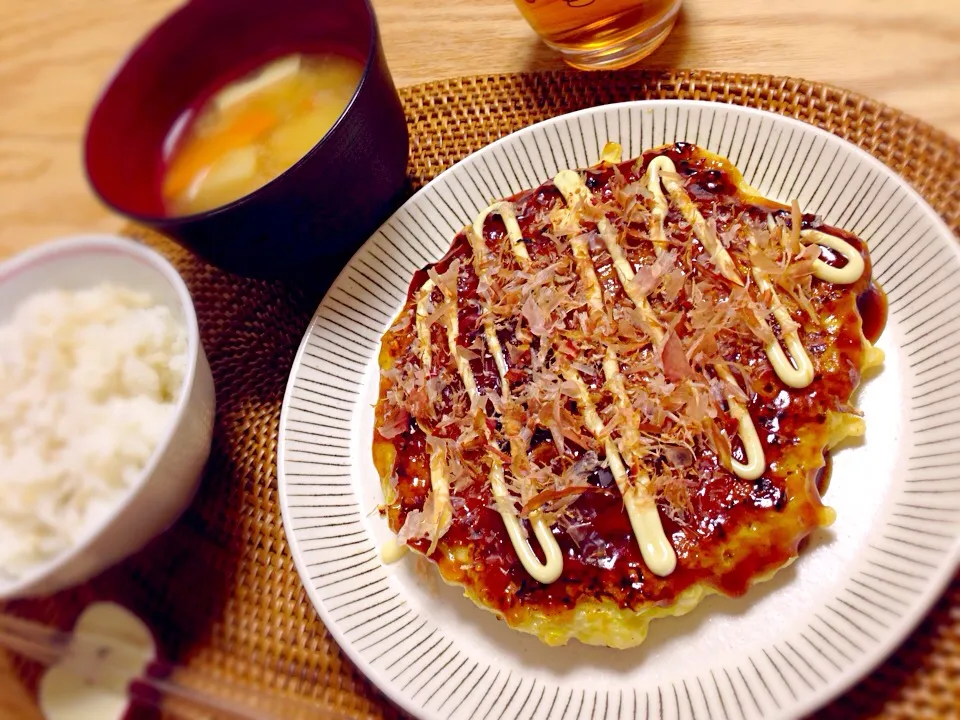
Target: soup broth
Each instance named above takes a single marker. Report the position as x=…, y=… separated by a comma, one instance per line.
x=253, y=129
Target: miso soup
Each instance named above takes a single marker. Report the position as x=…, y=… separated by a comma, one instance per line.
x=253, y=129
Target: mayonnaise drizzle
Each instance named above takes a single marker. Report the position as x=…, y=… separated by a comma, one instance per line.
x=453, y=332
x=655, y=548
x=440, y=486
x=661, y=206
x=509, y=216
x=849, y=273
x=423, y=330
x=545, y=572
x=392, y=551
x=797, y=369
x=439, y=482
x=711, y=243
x=611, y=365
x=747, y=431
x=548, y=571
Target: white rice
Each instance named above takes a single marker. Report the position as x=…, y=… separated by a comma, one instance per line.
x=88, y=384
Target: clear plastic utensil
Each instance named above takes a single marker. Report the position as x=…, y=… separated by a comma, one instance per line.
x=100, y=661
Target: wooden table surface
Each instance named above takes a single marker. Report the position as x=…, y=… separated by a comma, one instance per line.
x=55, y=54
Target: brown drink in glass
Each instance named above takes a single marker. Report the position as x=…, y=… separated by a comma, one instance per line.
x=601, y=34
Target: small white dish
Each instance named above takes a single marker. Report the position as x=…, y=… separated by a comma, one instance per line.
x=789, y=645
x=168, y=482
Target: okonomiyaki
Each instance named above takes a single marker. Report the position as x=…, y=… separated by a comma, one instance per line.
x=617, y=393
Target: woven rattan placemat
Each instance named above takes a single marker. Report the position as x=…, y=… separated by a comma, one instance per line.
x=220, y=588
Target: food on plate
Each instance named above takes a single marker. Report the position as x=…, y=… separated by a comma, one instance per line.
x=253, y=129
x=89, y=380
x=617, y=391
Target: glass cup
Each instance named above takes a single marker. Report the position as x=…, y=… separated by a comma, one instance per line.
x=601, y=34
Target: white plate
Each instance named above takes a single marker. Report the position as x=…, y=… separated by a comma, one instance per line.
x=785, y=648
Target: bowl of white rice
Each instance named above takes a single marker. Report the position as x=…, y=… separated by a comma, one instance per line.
x=106, y=408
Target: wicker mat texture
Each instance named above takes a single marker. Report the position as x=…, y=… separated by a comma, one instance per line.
x=220, y=588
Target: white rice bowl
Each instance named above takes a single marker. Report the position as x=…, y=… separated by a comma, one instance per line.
x=89, y=382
